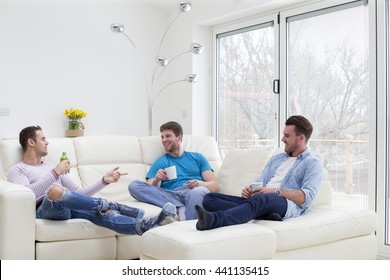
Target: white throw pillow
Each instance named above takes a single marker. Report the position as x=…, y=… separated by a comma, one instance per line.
x=240, y=167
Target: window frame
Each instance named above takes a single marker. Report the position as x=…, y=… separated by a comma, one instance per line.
x=383, y=154
x=238, y=25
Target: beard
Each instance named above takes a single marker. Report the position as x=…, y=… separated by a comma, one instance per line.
x=290, y=147
x=172, y=147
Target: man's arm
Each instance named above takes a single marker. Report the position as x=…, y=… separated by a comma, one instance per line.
x=161, y=175
x=207, y=173
x=309, y=184
x=209, y=181
x=296, y=196
x=112, y=176
x=43, y=177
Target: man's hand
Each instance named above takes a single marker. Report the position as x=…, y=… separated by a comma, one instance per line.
x=161, y=176
x=113, y=175
x=246, y=192
x=194, y=183
x=62, y=168
x=263, y=190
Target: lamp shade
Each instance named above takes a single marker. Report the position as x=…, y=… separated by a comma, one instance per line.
x=192, y=78
x=185, y=6
x=162, y=61
x=196, y=48
x=117, y=27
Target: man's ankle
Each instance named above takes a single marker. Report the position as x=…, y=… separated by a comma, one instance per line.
x=181, y=213
x=205, y=219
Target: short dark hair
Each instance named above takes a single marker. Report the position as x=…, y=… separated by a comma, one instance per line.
x=29, y=132
x=302, y=125
x=174, y=126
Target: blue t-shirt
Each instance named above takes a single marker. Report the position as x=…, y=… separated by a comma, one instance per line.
x=189, y=166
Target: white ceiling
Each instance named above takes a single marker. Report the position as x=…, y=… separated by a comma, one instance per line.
x=170, y=4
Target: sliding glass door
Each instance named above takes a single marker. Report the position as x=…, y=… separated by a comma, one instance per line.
x=327, y=80
x=328, y=61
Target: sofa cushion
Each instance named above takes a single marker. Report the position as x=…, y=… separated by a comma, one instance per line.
x=11, y=153
x=322, y=224
x=241, y=167
x=117, y=191
x=98, y=154
x=151, y=148
x=73, y=229
x=324, y=194
x=182, y=241
x=79, y=249
x=109, y=149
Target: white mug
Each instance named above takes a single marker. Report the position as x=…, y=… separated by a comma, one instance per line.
x=255, y=185
x=171, y=172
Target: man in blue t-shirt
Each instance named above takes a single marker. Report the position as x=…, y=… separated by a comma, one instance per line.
x=195, y=177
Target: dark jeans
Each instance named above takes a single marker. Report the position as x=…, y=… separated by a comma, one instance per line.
x=231, y=210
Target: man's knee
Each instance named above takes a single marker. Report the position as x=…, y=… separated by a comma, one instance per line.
x=199, y=192
x=136, y=188
x=209, y=198
x=135, y=184
x=55, y=192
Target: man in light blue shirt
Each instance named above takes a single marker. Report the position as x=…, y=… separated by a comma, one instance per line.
x=286, y=188
x=194, y=176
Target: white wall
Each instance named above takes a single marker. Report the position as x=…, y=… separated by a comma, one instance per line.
x=57, y=54
x=60, y=54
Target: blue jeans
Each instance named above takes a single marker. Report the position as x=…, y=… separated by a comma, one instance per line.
x=180, y=197
x=74, y=205
x=232, y=210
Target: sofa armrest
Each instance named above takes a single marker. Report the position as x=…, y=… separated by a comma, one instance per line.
x=17, y=222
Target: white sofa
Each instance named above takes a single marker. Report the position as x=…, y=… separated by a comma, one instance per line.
x=327, y=232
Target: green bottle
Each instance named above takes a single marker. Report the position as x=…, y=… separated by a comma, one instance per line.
x=64, y=156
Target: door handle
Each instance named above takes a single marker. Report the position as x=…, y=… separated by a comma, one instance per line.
x=275, y=86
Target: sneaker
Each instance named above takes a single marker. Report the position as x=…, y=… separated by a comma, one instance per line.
x=166, y=216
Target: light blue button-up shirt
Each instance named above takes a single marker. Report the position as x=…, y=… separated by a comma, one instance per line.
x=305, y=175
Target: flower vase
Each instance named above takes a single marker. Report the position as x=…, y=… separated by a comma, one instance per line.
x=75, y=128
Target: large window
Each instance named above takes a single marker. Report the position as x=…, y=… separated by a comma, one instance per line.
x=246, y=102
x=327, y=81
x=324, y=76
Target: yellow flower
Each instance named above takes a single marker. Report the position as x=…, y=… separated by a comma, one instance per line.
x=75, y=113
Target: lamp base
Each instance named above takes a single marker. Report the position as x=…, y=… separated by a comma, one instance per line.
x=74, y=133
